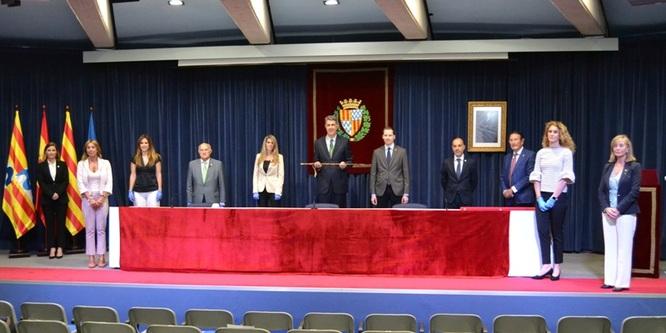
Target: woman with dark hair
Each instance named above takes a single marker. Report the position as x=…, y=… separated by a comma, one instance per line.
x=145, y=182
x=53, y=179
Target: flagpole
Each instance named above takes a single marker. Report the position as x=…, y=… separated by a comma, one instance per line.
x=72, y=193
x=43, y=141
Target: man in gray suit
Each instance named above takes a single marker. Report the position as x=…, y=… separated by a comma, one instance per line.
x=205, y=179
x=389, y=174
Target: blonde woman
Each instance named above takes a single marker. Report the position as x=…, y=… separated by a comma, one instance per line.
x=618, y=196
x=145, y=182
x=553, y=171
x=95, y=180
x=268, y=174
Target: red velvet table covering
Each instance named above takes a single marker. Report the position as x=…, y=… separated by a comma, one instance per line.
x=337, y=241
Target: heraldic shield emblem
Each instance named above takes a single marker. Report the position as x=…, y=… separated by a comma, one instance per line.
x=354, y=119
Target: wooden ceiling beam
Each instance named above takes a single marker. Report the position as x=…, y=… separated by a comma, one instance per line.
x=586, y=15
x=409, y=16
x=95, y=19
x=252, y=18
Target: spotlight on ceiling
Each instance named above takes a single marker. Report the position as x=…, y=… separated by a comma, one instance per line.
x=331, y=2
x=176, y=2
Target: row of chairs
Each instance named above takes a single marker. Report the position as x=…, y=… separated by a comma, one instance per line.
x=93, y=319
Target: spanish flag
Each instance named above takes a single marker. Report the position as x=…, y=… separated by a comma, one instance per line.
x=17, y=199
x=74, y=218
x=43, y=140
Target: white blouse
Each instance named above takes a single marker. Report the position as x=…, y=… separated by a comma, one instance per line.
x=552, y=165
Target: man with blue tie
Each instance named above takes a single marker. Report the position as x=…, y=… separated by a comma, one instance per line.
x=459, y=177
x=518, y=164
x=389, y=173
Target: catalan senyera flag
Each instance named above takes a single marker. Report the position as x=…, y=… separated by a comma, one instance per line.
x=17, y=199
x=74, y=219
x=43, y=140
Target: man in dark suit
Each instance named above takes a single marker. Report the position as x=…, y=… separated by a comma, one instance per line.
x=332, y=180
x=459, y=177
x=205, y=179
x=389, y=174
x=515, y=177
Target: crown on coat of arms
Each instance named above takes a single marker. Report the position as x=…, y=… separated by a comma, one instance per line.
x=350, y=103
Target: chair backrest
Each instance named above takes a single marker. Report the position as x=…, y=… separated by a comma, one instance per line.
x=644, y=324
x=241, y=329
x=311, y=330
x=172, y=329
x=519, y=324
x=322, y=205
x=588, y=324
x=208, y=318
x=270, y=320
x=390, y=322
x=101, y=327
x=343, y=322
x=42, y=326
x=8, y=315
x=151, y=316
x=449, y=322
x=411, y=205
x=83, y=313
x=3, y=327
x=43, y=311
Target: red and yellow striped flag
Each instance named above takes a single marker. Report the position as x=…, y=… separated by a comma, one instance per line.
x=17, y=199
x=74, y=218
x=43, y=140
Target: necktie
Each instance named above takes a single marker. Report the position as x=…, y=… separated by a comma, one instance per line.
x=204, y=171
x=514, y=159
x=388, y=156
x=458, y=167
x=331, y=144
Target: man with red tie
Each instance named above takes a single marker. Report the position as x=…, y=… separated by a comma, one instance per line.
x=516, y=169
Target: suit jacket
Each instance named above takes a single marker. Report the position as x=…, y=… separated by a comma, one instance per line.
x=628, y=188
x=106, y=176
x=520, y=179
x=395, y=174
x=50, y=186
x=465, y=185
x=212, y=189
x=271, y=180
x=332, y=176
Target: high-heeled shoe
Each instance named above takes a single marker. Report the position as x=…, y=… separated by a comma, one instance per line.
x=555, y=277
x=618, y=289
x=607, y=286
x=542, y=276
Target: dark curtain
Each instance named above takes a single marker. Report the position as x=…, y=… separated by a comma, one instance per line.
x=596, y=94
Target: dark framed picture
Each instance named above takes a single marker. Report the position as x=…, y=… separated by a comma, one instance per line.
x=486, y=126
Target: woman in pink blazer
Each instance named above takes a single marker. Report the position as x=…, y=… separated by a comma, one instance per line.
x=268, y=174
x=95, y=180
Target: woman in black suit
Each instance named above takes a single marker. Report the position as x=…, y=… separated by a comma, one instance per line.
x=53, y=180
x=618, y=196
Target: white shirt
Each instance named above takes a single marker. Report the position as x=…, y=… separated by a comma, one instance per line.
x=52, y=169
x=552, y=165
x=386, y=148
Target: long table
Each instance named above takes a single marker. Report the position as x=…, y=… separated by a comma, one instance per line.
x=471, y=242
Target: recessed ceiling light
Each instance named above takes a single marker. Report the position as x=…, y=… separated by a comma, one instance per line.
x=331, y=2
x=176, y=2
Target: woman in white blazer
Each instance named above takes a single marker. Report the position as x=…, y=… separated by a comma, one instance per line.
x=95, y=180
x=268, y=174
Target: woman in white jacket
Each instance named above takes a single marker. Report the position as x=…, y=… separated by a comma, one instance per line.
x=268, y=174
x=95, y=181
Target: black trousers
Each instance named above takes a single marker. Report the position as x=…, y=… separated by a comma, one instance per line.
x=388, y=199
x=267, y=199
x=550, y=225
x=339, y=199
x=55, y=223
x=455, y=204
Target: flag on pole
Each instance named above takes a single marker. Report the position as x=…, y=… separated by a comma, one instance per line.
x=43, y=140
x=91, y=127
x=17, y=199
x=74, y=218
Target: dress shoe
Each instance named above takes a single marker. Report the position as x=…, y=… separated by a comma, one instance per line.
x=51, y=257
x=542, y=276
x=555, y=278
x=606, y=286
x=617, y=289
